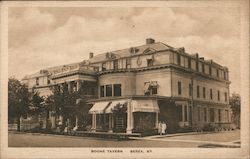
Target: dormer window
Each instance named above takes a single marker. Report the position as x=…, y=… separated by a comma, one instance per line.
x=189, y=62
x=103, y=66
x=149, y=51
x=149, y=62
x=225, y=75
x=133, y=50
x=210, y=70
x=197, y=65
x=48, y=81
x=203, y=68
x=178, y=59
x=110, y=55
x=37, y=81
x=115, y=64
x=128, y=63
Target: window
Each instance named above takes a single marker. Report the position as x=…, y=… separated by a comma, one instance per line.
x=211, y=111
x=211, y=94
x=149, y=62
x=190, y=114
x=179, y=88
x=190, y=89
x=225, y=75
x=154, y=90
x=128, y=63
x=48, y=81
x=225, y=96
x=210, y=70
x=96, y=68
x=199, y=114
x=203, y=68
x=204, y=92
x=37, y=81
x=198, y=91
x=103, y=66
x=186, y=113
x=197, y=65
x=218, y=95
x=178, y=59
x=115, y=64
x=117, y=90
x=179, y=112
x=189, y=62
x=150, y=88
x=92, y=91
x=102, y=91
x=205, y=114
x=227, y=115
x=219, y=115
x=108, y=90
x=217, y=73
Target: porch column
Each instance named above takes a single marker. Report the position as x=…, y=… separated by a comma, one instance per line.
x=93, y=122
x=110, y=123
x=230, y=115
x=156, y=120
x=78, y=85
x=183, y=113
x=53, y=122
x=76, y=122
x=130, y=120
x=188, y=119
x=69, y=87
x=68, y=123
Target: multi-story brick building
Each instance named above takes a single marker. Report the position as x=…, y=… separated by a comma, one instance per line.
x=154, y=82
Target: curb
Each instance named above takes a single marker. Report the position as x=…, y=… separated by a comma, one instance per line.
x=63, y=136
x=191, y=133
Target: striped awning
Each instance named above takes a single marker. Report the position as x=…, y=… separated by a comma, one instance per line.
x=113, y=104
x=145, y=106
x=99, y=107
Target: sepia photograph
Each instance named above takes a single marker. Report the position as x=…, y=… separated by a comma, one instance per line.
x=125, y=79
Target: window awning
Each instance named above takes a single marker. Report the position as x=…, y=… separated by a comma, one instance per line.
x=99, y=107
x=113, y=104
x=145, y=106
x=146, y=86
x=153, y=84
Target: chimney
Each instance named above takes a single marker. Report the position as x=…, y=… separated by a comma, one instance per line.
x=91, y=55
x=150, y=41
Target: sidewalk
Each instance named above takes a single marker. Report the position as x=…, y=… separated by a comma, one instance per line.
x=206, y=139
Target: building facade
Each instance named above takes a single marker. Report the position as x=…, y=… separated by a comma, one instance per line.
x=137, y=87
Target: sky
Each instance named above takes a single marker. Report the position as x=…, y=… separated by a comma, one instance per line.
x=45, y=37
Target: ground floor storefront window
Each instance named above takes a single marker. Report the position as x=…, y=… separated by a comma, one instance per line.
x=144, y=121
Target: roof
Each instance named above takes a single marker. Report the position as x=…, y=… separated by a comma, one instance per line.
x=158, y=46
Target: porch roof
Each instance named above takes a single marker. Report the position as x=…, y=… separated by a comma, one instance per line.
x=145, y=106
x=99, y=107
x=113, y=104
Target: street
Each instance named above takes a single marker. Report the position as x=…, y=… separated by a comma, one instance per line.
x=221, y=139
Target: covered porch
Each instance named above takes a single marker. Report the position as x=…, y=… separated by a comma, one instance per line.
x=124, y=115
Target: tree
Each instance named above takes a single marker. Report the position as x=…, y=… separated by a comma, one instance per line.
x=37, y=105
x=235, y=104
x=70, y=103
x=119, y=113
x=18, y=100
